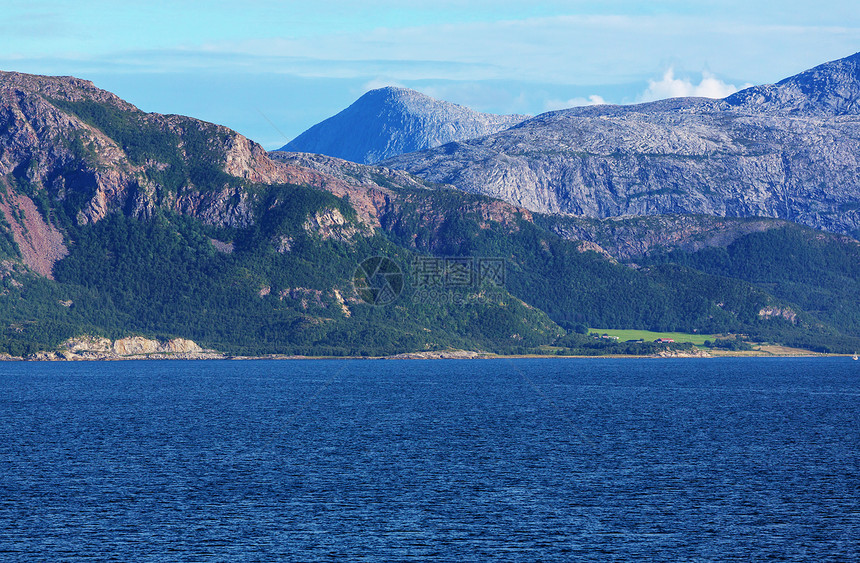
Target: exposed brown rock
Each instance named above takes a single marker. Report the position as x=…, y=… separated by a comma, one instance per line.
x=331, y=224
x=221, y=246
x=131, y=348
x=40, y=243
x=339, y=298
x=778, y=313
x=586, y=246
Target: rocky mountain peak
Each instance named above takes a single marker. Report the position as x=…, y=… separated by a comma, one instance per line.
x=390, y=121
x=829, y=89
x=66, y=88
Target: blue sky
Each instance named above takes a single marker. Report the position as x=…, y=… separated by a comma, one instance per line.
x=272, y=69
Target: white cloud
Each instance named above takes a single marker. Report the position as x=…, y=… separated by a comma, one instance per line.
x=592, y=100
x=671, y=87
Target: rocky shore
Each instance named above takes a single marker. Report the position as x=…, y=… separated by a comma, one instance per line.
x=441, y=355
x=131, y=348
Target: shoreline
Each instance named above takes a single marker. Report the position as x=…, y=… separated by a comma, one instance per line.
x=94, y=348
x=437, y=355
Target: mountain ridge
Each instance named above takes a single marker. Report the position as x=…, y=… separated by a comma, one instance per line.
x=761, y=152
x=829, y=89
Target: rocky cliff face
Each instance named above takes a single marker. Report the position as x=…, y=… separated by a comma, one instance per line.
x=790, y=151
x=131, y=348
x=391, y=121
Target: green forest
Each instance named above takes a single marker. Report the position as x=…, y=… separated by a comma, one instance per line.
x=163, y=277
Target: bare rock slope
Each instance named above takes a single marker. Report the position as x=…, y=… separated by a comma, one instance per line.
x=789, y=150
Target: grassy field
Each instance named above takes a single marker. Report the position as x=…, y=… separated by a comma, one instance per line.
x=648, y=336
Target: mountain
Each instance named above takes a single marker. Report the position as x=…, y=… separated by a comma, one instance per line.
x=120, y=223
x=789, y=151
x=120, y=227
x=390, y=121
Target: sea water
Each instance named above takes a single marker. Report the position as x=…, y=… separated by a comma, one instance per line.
x=461, y=460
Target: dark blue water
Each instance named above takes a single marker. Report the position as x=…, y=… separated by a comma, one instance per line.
x=525, y=460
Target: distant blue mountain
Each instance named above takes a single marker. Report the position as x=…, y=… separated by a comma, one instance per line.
x=392, y=121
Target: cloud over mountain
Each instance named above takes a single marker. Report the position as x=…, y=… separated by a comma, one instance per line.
x=671, y=87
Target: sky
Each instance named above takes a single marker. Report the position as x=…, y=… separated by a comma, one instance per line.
x=272, y=69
